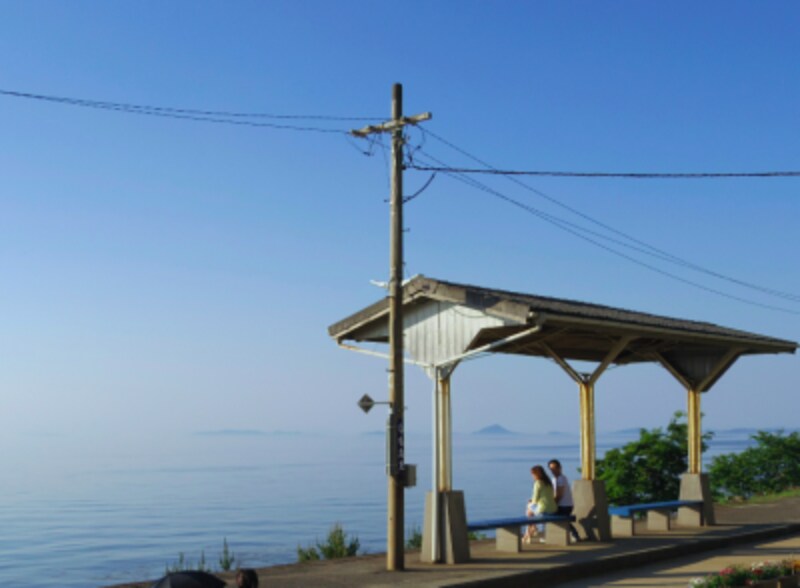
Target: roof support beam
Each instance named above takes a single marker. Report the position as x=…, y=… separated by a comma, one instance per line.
x=722, y=366
x=451, y=361
x=694, y=390
x=672, y=370
x=586, y=384
x=612, y=354
x=562, y=362
x=379, y=354
x=703, y=381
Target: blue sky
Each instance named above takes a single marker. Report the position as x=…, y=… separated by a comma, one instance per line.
x=161, y=274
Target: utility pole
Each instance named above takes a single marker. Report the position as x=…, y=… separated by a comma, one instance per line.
x=395, y=523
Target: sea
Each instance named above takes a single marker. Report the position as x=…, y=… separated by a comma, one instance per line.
x=95, y=515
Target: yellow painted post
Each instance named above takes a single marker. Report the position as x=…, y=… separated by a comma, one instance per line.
x=592, y=432
x=445, y=482
x=587, y=430
x=694, y=434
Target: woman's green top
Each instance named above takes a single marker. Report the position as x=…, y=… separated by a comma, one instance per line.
x=544, y=498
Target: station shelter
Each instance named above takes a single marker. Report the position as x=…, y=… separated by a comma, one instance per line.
x=445, y=323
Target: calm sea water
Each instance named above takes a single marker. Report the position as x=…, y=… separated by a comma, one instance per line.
x=79, y=516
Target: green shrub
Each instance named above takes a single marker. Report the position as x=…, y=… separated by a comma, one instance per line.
x=649, y=469
x=179, y=566
x=307, y=554
x=227, y=559
x=184, y=564
x=414, y=539
x=770, y=467
x=336, y=546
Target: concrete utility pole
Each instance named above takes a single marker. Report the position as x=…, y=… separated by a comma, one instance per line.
x=395, y=524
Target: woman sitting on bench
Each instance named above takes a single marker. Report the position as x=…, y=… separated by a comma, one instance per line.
x=542, y=502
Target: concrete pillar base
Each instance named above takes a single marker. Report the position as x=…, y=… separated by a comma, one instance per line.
x=453, y=537
x=591, y=510
x=696, y=487
x=622, y=526
x=508, y=539
x=557, y=534
x=658, y=520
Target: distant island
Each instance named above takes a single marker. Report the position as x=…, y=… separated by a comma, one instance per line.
x=631, y=431
x=243, y=433
x=501, y=430
x=739, y=431
x=494, y=430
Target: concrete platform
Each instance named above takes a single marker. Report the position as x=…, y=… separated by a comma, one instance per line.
x=677, y=573
x=537, y=565
x=749, y=530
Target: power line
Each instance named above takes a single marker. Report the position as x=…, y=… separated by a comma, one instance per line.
x=577, y=231
x=625, y=175
x=648, y=249
x=211, y=116
x=91, y=102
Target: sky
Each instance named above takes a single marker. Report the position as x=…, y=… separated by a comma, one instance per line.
x=162, y=275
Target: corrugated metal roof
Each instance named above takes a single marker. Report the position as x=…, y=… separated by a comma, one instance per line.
x=576, y=330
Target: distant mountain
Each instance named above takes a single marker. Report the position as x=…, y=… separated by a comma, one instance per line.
x=494, y=430
x=232, y=433
x=631, y=431
x=243, y=433
x=561, y=434
x=753, y=431
x=741, y=431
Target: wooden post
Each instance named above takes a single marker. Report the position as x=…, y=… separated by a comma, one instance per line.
x=395, y=548
x=395, y=524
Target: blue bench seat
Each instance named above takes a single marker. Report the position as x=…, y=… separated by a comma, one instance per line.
x=658, y=515
x=507, y=530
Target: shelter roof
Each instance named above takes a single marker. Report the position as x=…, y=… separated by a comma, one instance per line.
x=573, y=330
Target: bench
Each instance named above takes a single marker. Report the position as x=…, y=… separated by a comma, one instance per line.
x=658, y=515
x=507, y=530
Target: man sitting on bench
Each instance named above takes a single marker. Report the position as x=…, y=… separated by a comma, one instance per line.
x=563, y=494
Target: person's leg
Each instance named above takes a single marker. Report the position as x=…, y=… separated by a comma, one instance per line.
x=538, y=529
x=526, y=538
x=567, y=510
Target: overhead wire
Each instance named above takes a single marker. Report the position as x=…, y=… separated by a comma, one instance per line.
x=421, y=190
x=655, y=251
x=571, y=228
x=241, y=119
x=88, y=101
x=557, y=220
x=210, y=116
x=625, y=175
